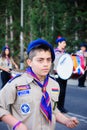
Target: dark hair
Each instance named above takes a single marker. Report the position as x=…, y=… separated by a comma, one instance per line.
x=38, y=48
x=4, y=55
x=60, y=39
x=83, y=45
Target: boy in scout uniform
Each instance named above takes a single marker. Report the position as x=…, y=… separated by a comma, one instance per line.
x=28, y=101
x=59, y=51
x=83, y=53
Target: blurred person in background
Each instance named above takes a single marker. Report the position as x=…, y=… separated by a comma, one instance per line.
x=6, y=64
x=83, y=52
x=61, y=45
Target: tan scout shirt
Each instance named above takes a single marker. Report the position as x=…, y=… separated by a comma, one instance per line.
x=4, y=63
x=58, y=54
x=23, y=96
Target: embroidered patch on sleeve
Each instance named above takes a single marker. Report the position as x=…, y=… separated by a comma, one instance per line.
x=23, y=87
x=25, y=108
x=55, y=90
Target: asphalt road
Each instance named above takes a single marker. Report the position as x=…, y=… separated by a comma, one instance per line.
x=75, y=103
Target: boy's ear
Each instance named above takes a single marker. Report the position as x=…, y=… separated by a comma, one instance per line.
x=29, y=62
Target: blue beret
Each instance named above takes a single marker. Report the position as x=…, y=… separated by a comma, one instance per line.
x=60, y=39
x=39, y=42
x=83, y=45
x=5, y=47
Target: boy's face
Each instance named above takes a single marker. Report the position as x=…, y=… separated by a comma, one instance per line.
x=6, y=51
x=62, y=44
x=41, y=63
x=83, y=48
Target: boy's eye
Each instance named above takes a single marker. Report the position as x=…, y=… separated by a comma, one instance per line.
x=39, y=60
x=49, y=59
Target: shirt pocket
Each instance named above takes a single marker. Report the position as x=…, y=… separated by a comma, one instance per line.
x=24, y=104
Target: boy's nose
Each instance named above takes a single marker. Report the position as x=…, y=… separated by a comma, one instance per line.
x=46, y=62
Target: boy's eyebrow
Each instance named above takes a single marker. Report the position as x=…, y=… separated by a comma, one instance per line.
x=43, y=58
x=39, y=58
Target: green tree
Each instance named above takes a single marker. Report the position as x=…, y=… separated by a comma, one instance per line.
x=45, y=19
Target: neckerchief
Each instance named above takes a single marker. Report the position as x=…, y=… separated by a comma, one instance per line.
x=57, y=50
x=45, y=104
x=8, y=60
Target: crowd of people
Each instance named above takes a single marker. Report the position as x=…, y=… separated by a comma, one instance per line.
x=59, y=51
x=35, y=100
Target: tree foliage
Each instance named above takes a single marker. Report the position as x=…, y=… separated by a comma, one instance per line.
x=45, y=19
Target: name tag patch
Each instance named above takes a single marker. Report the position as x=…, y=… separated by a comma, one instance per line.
x=25, y=108
x=23, y=90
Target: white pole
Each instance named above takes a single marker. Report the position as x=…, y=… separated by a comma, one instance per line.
x=11, y=30
x=21, y=40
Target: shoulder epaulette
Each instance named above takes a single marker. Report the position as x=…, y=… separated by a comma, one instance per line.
x=18, y=75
